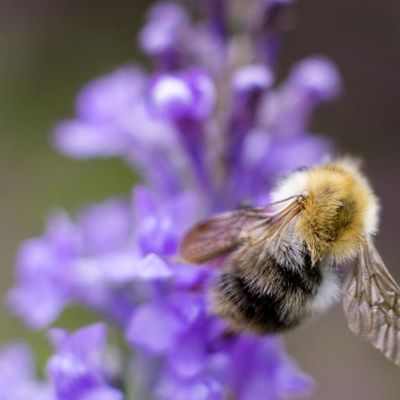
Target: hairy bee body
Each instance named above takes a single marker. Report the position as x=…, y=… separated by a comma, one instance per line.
x=273, y=298
x=276, y=284
x=281, y=261
x=275, y=292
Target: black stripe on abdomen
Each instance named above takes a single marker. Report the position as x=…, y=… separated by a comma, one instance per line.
x=280, y=303
x=236, y=301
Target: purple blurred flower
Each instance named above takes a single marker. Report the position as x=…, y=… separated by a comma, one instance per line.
x=100, y=106
x=207, y=130
x=17, y=375
x=262, y=367
x=187, y=99
x=43, y=286
x=85, y=263
x=56, y=270
x=186, y=95
x=106, y=97
x=113, y=120
x=312, y=81
x=201, y=361
x=77, y=369
x=163, y=35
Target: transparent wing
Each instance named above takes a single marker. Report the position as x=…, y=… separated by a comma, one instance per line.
x=371, y=302
x=225, y=232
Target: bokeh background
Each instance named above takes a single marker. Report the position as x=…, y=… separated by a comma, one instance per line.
x=50, y=48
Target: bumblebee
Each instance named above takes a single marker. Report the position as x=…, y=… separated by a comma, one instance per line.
x=281, y=262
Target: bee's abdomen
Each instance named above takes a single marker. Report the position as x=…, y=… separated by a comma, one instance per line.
x=235, y=301
x=278, y=299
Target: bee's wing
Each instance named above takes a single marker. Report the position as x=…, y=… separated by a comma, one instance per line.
x=371, y=302
x=223, y=233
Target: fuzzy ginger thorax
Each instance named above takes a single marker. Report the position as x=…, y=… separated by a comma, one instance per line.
x=340, y=209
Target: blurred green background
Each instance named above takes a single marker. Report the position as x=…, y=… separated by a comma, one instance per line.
x=50, y=48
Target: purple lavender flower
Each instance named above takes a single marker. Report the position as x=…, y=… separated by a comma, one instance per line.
x=162, y=36
x=17, y=375
x=96, y=267
x=207, y=130
x=77, y=369
x=53, y=272
x=43, y=286
x=187, y=99
x=311, y=82
x=113, y=120
x=260, y=370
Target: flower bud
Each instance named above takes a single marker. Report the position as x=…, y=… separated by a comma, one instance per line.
x=190, y=94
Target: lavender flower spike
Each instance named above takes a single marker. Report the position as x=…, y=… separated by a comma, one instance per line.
x=206, y=129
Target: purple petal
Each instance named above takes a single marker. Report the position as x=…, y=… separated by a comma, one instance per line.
x=155, y=327
x=38, y=305
x=103, y=393
x=42, y=290
x=167, y=23
x=191, y=276
x=287, y=154
x=189, y=358
x=103, y=99
x=188, y=94
x=318, y=77
x=191, y=307
x=144, y=203
x=16, y=364
x=291, y=381
x=105, y=227
x=200, y=388
x=63, y=236
x=203, y=91
x=76, y=369
x=93, y=288
x=252, y=77
x=171, y=97
x=257, y=386
x=72, y=378
x=127, y=267
x=182, y=210
x=83, y=140
x=141, y=126
x=43, y=286
x=88, y=342
x=17, y=375
x=155, y=229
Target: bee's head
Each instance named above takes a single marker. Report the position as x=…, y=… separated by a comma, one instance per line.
x=339, y=210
